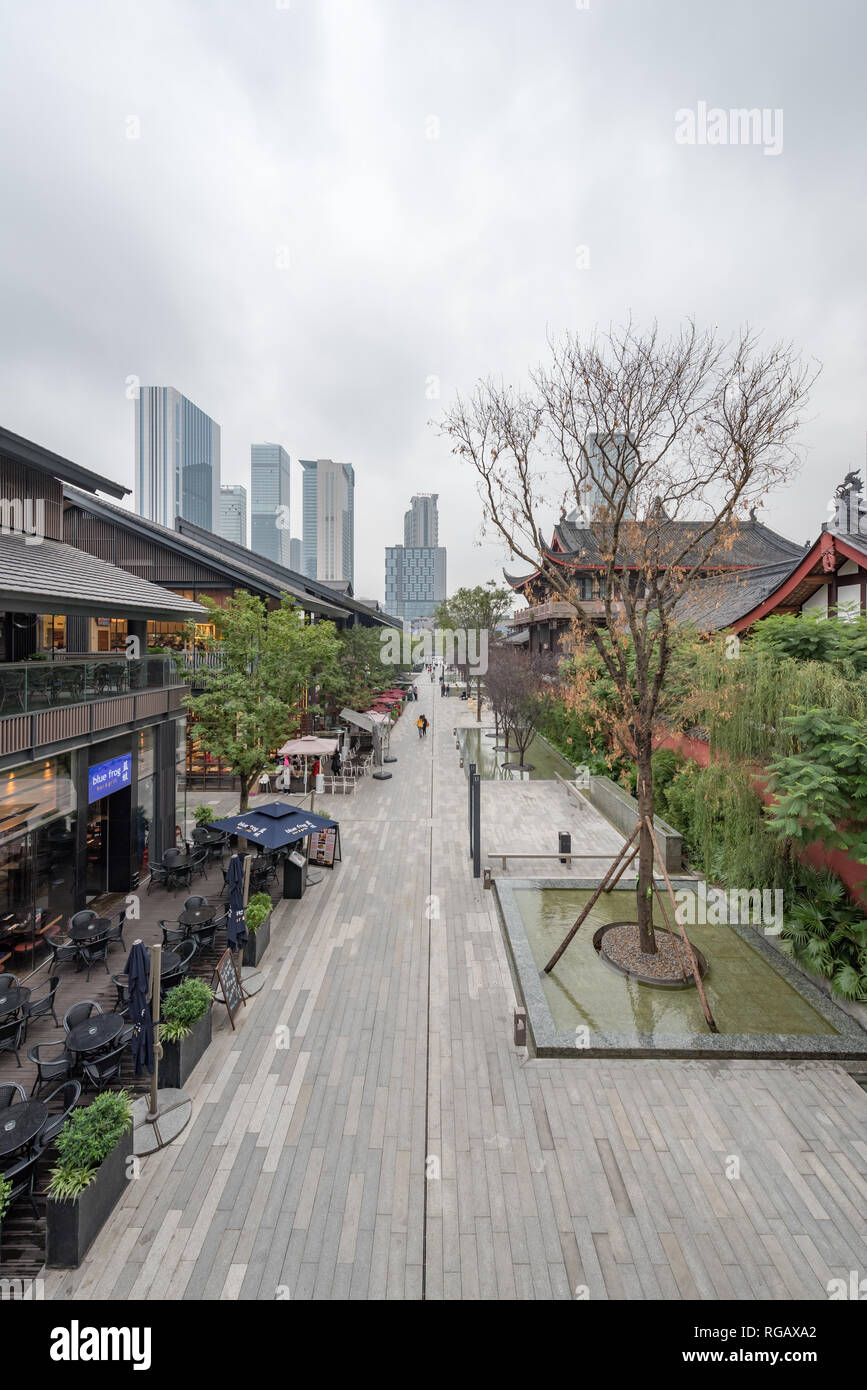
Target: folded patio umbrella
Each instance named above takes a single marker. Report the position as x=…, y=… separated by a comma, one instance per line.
x=236, y=926
x=138, y=973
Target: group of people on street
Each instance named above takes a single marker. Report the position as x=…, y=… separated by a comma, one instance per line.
x=421, y=725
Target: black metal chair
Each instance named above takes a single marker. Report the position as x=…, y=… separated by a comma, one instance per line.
x=83, y=918
x=115, y=933
x=159, y=877
x=79, y=1012
x=22, y=1175
x=53, y=1063
x=185, y=952
x=127, y=1035
x=100, y=1071
x=121, y=984
x=173, y=934
x=69, y=1094
x=95, y=953
x=204, y=936
x=63, y=951
x=10, y=1092
x=12, y=1036
x=199, y=864
x=195, y=900
x=37, y=1008
x=7, y=979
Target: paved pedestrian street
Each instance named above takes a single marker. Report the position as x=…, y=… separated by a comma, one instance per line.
x=370, y=1131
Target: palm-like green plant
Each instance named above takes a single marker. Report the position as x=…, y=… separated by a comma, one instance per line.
x=828, y=934
x=5, y=1191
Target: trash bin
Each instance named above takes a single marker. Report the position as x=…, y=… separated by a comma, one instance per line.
x=565, y=844
x=320, y=781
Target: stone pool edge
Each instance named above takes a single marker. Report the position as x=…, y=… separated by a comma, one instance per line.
x=547, y=1041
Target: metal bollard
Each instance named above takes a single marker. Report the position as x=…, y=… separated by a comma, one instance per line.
x=486, y=876
x=565, y=844
x=520, y=1028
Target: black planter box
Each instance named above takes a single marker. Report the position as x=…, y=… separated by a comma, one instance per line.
x=257, y=943
x=72, y=1227
x=179, y=1058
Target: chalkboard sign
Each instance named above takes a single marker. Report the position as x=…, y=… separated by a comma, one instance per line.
x=229, y=981
x=322, y=846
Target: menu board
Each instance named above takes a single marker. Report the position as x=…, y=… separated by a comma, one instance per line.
x=230, y=984
x=323, y=844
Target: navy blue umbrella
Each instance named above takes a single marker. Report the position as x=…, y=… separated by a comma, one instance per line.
x=275, y=825
x=236, y=927
x=137, y=973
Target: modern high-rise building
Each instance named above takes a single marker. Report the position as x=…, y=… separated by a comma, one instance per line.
x=269, y=502
x=233, y=513
x=328, y=532
x=177, y=459
x=609, y=464
x=421, y=523
x=295, y=554
x=415, y=581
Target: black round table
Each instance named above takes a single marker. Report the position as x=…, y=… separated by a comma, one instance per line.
x=21, y=1123
x=197, y=916
x=95, y=1032
x=169, y=960
x=101, y=926
x=11, y=999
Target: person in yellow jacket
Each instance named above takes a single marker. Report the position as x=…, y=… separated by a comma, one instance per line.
x=420, y=723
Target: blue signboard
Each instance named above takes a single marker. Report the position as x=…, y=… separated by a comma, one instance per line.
x=105, y=778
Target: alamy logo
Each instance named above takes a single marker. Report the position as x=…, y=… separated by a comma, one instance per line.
x=717, y=907
x=453, y=647
x=23, y=515
x=739, y=126
x=77, y=1343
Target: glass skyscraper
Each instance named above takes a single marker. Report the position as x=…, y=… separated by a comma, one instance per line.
x=328, y=533
x=269, y=502
x=177, y=459
x=233, y=514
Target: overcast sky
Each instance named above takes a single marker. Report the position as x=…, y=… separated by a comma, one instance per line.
x=301, y=131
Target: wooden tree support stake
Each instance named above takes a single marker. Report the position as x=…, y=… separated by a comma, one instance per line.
x=597, y=893
x=709, y=1018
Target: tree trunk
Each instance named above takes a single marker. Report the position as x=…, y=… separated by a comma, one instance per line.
x=644, y=892
x=478, y=699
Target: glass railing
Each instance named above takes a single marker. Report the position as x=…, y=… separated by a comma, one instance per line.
x=29, y=686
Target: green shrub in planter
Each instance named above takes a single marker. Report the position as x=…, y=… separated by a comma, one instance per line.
x=86, y=1139
x=182, y=1007
x=203, y=815
x=257, y=910
x=5, y=1190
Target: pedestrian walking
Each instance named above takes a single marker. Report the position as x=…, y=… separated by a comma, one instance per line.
x=424, y=726
x=420, y=723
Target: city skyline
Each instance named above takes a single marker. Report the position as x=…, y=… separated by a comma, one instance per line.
x=340, y=315
x=177, y=459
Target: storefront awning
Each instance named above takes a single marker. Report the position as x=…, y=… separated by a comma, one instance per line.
x=361, y=721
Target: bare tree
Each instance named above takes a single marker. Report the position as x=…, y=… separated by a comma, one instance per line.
x=637, y=432
x=514, y=686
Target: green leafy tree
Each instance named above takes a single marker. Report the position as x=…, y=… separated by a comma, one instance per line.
x=360, y=669
x=821, y=788
x=272, y=666
x=477, y=610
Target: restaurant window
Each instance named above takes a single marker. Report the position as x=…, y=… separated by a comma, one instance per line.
x=52, y=632
x=37, y=860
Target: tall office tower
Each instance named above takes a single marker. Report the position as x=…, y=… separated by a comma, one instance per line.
x=233, y=513
x=607, y=458
x=177, y=459
x=269, y=502
x=328, y=533
x=421, y=523
x=295, y=554
x=415, y=581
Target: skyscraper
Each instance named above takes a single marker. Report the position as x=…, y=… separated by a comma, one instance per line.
x=328, y=533
x=421, y=523
x=415, y=581
x=177, y=459
x=269, y=501
x=415, y=572
x=295, y=554
x=233, y=513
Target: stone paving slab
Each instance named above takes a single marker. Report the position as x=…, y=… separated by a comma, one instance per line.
x=370, y=1131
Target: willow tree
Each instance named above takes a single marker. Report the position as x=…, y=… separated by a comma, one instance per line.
x=660, y=447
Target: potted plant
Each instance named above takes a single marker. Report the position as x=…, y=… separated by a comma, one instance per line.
x=258, y=915
x=203, y=815
x=94, y=1148
x=185, y=1030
